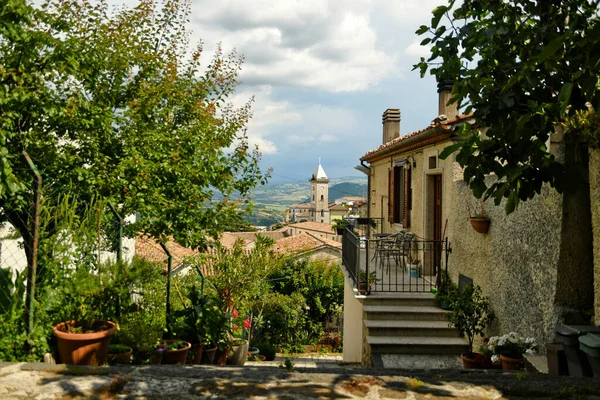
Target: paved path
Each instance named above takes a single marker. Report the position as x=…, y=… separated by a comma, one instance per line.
x=324, y=380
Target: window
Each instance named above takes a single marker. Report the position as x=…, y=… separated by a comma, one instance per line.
x=313, y=197
x=322, y=198
x=399, y=195
x=322, y=213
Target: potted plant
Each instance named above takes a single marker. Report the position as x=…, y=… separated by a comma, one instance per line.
x=84, y=342
x=446, y=290
x=119, y=354
x=415, y=268
x=190, y=324
x=339, y=226
x=509, y=349
x=366, y=281
x=471, y=315
x=238, y=352
x=480, y=221
x=175, y=351
x=83, y=339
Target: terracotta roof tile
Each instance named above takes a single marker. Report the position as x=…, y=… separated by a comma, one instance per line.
x=313, y=226
x=302, y=243
x=228, y=239
x=151, y=250
x=441, y=125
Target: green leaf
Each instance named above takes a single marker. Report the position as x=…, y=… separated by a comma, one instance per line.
x=450, y=149
x=438, y=12
x=422, y=29
x=564, y=96
x=551, y=49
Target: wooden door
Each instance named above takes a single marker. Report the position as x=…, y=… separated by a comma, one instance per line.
x=437, y=220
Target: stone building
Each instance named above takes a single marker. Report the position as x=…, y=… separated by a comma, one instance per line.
x=319, y=196
x=536, y=265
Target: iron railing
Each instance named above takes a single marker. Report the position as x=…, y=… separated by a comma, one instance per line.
x=401, y=262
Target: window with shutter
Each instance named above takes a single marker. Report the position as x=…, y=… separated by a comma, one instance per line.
x=400, y=195
x=391, y=195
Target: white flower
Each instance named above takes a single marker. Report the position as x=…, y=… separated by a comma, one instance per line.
x=495, y=358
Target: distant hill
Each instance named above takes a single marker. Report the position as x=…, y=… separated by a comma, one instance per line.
x=272, y=200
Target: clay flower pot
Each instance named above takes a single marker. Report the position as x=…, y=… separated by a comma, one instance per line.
x=195, y=354
x=512, y=364
x=178, y=356
x=208, y=355
x=84, y=348
x=120, y=358
x=221, y=356
x=471, y=363
x=481, y=225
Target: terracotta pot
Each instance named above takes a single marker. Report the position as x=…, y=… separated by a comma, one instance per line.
x=262, y=358
x=512, y=364
x=195, y=354
x=470, y=363
x=208, y=355
x=123, y=358
x=362, y=288
x=83, y=348
x=221, y=356
x=238, y=354
x=481, y=225
x=178, y=356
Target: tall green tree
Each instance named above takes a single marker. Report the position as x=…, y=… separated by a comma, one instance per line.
x=523, y=68
x=112, y=103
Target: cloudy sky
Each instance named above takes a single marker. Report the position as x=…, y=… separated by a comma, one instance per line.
x=322, y=73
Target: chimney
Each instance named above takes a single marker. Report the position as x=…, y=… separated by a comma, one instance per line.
x=391, y=124
x=445, y=92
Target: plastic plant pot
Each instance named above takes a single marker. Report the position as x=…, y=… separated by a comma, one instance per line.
x=577, y=361
x=590, y=345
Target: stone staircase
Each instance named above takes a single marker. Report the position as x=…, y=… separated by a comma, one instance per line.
x=410, y=330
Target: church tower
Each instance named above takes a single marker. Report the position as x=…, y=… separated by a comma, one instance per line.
x=319, y=195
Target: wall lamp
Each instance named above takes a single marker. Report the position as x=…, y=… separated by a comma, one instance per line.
x=409, y=164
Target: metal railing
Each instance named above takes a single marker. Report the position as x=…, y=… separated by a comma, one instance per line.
x=401, y=262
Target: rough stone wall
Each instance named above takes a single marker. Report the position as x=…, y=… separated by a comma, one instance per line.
x=515, y=263
x=594, y=160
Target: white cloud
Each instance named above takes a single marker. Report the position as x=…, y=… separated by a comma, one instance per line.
x=416, y=50
x=329, y=45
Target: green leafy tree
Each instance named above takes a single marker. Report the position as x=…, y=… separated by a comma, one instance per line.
x=113, y=104
x=523, y=68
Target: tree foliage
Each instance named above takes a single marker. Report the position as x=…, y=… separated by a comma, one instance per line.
x=522, y=67
x=111, y=103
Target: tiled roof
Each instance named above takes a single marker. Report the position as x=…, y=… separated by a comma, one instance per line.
x=228, y=239
x=302, y=243
x=338, y=207
x=313, y=226
x=150, y=250
x=443, y=125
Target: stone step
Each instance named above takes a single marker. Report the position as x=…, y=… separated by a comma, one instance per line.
x=416, y=345
x=401, y=299
x=406, y=313
x=411, y=328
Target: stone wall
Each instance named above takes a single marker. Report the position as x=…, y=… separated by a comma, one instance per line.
x=594, y=160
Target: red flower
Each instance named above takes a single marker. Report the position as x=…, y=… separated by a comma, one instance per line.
x=247, y=323
x=235, y=314
x=235, y=327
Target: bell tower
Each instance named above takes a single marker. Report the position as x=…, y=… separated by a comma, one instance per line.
x=319, y=195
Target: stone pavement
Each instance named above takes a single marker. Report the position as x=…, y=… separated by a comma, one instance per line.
x=313, y=378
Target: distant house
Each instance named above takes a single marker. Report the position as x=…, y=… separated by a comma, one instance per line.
x=317, y=229
x=228, y=239
x=150, y=250
x=306, y=245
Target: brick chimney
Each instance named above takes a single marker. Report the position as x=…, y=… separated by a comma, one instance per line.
x=445, y=92
x=391, y=124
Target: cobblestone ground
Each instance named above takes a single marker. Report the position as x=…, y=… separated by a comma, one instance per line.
x=314, y=377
